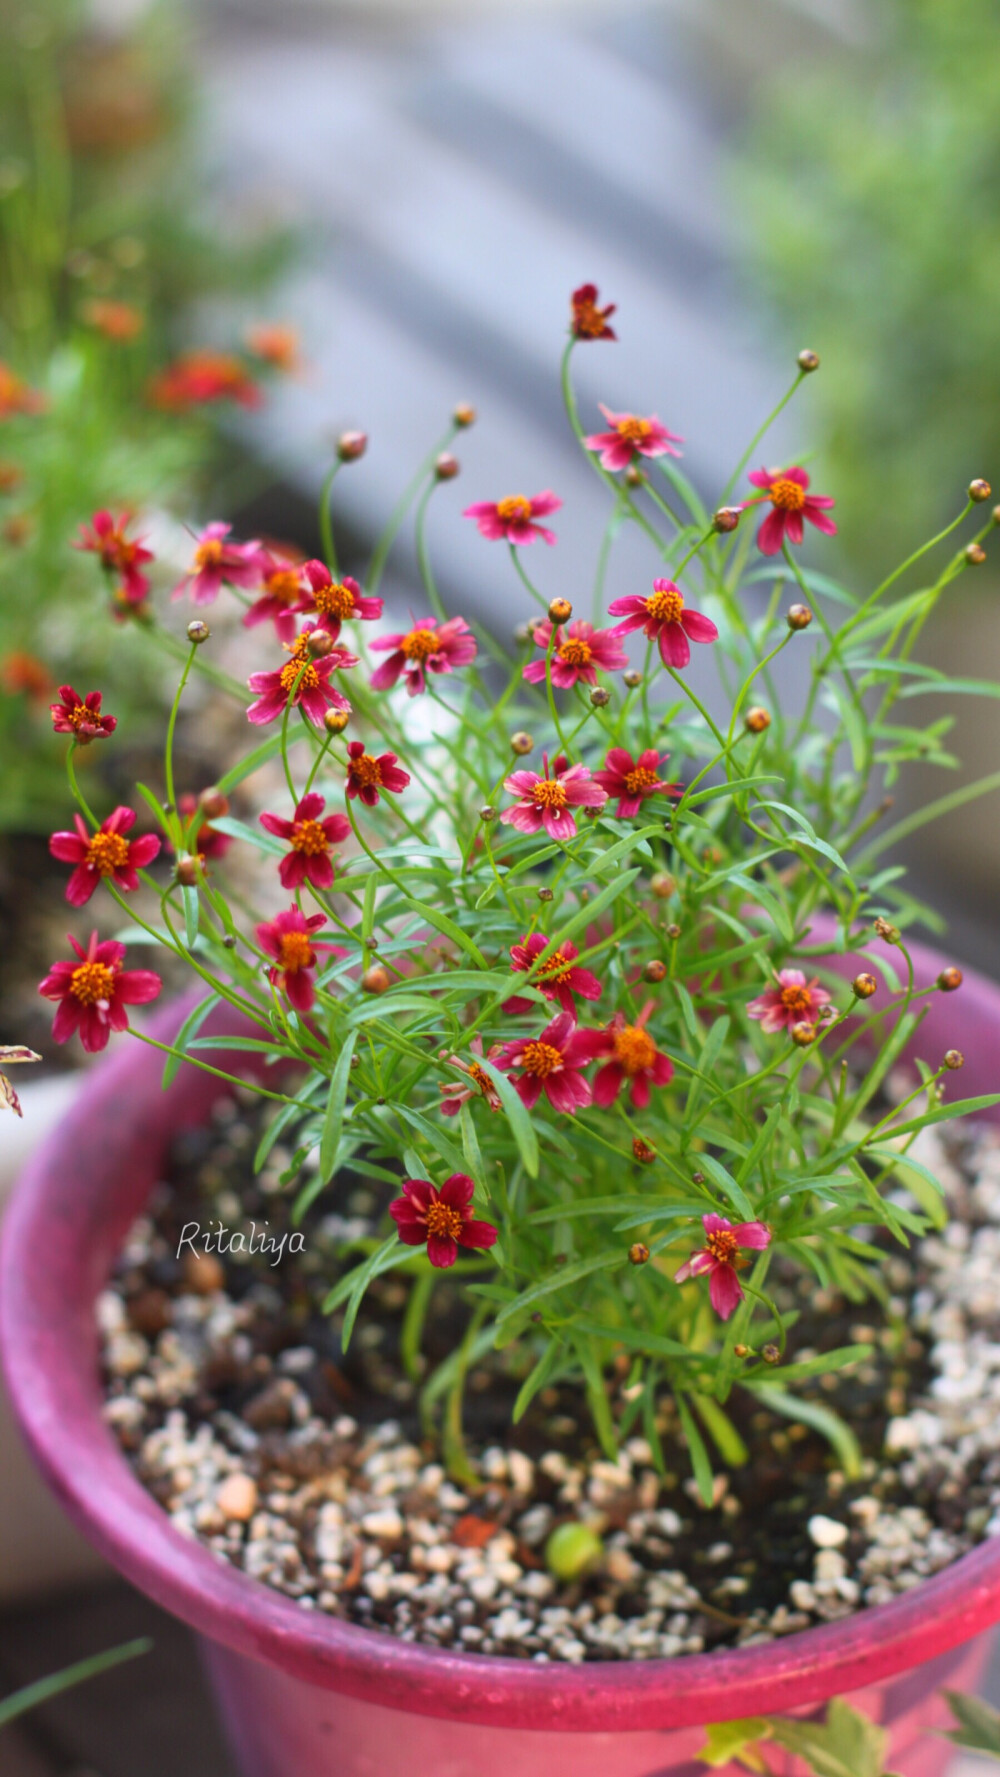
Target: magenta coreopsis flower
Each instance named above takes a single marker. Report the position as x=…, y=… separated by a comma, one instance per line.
x=664, y=615
x=632, y=780
x=303, y=680
x=429, y=647
x=310, y=839
x=94, y=991
x=632, y=436
x=559, y=978
x=792, y=1000
x=217, y=563
x=283, y=595
x=720, y=1259
x=454, y=1095
x=288, y=938
x=441, y=1220
x=578, y=652
x=547, y=801
x=790, y=504
x=104, y=855
x=333, y=601
x=631, y=1059
x=587, y=321
x=511, y=519
x=105, y=536
x=552, y=1063
x=81, y=716
x=367, y=775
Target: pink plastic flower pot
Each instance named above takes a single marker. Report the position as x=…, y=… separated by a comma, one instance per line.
x=306, y=1696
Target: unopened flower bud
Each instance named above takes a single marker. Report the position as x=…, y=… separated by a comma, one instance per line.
x=229, y=941
x=803, y=1033
x=697, y=1178
x=489, y=813
x=949, y=979
x=198, y=630
x=634, y=476
x=808, y=360
x=979, y=490
x=886, y=930
x=560, y=610
x=373, y=942
x=521, y=743
x=662, y=885
x=741, y=1351
x=319, y=643
x=673, y=931
x=600, y=697
x=351, y=446
x=464, y=415
x=726, y=519
x=447, y=466
x=638, y=1253
x=375, y=980
x=770, y=1354
x=757, y=719
x=655, y=970
x=642, y=1151
x=954, y=1059
x=798, y=616
x=188, y=871
x=525, y=632
x=975, y=555
x=545, y=894
x=864, y=986
x=632, y=678
x=572, y=1550
x=213, y=803
x=995, y=515
x=335, y=721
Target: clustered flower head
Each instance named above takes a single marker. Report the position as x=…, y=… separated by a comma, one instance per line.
x=303, y=681
x=513, y=519
x=288, y=939
x=310, y=839
x=664, y=616
x=721, y=1259
x=548, y=800
x=119, y=554
x=429, y=647
x=94, y=990
x=632, y=436
x=219, y=563
x=790, y=1000
x=633, y=780
x=578, y=652
x=81, y=716
x=442, y=1220
x=791, y=503
x=106, y=855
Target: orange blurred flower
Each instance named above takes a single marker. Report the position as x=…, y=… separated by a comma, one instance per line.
x=199, y=377
x=15, y=394
x=275, y=344
x=25, y=673
x=120, y=321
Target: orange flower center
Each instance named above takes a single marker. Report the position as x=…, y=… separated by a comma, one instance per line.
x=209, y=554
x=80, y=717
x=632, y=429
x=91, y=983
x=296, y=952
x=337, y=600
x=420, y=643
x=666, y=606
x=515, y=506
x=641, y=778
x=724, y=1246
x=481, y=1078
x=283, y=585
x=309, y=837
x=308, y=682
x=634, y=1049
x=548, y=793
x=106, y=853
x=588, y=320
x=575, y=653
x=443, y=1221
x=787, y=495
x=541, y=1059
x=797, y=1000
x=556, y=968
x=367, y=772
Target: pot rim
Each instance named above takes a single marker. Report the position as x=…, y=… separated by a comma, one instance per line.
x=57, y=1252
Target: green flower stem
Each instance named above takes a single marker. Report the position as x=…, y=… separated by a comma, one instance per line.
x=168, y=754
x=380, y=556
x=326, y=520
x=758, y=435
x=617, y=488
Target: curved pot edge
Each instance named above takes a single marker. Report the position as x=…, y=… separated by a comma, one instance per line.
x=58, y=1404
